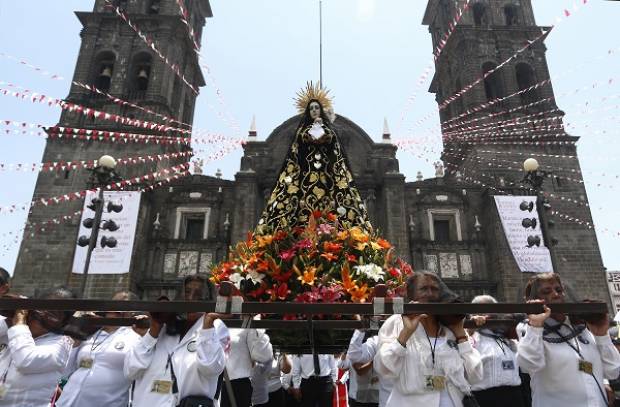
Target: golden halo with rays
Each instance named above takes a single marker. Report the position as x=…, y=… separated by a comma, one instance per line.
x=312, y=91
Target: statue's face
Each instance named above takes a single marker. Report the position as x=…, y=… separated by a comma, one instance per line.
x=315, y=110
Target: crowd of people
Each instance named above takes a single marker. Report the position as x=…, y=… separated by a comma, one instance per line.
x=547, y=360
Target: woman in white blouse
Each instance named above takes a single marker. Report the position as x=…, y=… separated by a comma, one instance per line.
x=33, y=353
x=431, y=364
x=567, y=362
x=96, y=366
x=501, y=384
x=266, y=378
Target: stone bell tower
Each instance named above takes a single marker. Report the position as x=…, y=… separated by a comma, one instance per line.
x=487, y=133
x=115, y=60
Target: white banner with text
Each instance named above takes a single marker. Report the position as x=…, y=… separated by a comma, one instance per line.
x=110, y=260
x=521, y=224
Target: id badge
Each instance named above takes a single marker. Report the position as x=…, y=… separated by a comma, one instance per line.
x=508, y=364
x=437, y=383
x=585, y=366
x=161, y=386
x=4, y=389
x=86, y=363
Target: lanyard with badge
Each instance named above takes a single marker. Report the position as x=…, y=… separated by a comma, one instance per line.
x=583, y=365
x=502, y=343
x=88, y=362
x=434, y=382
x=164, y=386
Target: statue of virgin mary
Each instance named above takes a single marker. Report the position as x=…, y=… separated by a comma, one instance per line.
x=315, y=175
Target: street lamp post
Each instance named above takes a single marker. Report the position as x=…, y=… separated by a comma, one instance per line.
x=101, y=175
x=535, y=178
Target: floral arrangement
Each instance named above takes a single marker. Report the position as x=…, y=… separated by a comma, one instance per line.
x=321, y=262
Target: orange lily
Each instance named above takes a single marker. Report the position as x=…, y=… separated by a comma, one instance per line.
x=262, y=266
x=308, y=277
x=254, y=259
x=359, y=294
x=344, y=235
x=332, y=247
x=375, y=246
x=361, y=246
x=358, y=235
x=264, y=240
x=329, y=256
x=384, y=243
x=347, y=283
x=273, y=266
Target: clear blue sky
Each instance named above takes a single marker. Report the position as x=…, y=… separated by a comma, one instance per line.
x=262, y=52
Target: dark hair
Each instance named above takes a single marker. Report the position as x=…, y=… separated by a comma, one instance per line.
x=59, y=292
x=51, y=320
x=413, y=279
x=209, y=288
x=445, y=294
x=5, y=277
x=531, y=289
x=194, y=277
x=306, y=120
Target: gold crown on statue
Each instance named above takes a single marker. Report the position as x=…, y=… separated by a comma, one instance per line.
x=312, y=91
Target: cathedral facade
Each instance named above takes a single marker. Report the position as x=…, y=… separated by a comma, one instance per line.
x=447, y=224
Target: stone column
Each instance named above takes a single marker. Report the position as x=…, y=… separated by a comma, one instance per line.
x=393, y=197
x=246, y=200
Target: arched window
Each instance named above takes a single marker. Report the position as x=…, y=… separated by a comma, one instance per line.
x=103, y=71
x=153, y=7
x=526, y=78
x=492, y=83
x=511, y=13
x=140, y=75
x=480, y=14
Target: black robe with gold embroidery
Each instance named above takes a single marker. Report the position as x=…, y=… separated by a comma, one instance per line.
x=315, y=176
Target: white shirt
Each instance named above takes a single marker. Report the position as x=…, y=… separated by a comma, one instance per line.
x=266, y=379
x=247, y=346
x=287, y=378
x=556, y=380
x=303, y=368
x=275, y=380
x=260, y=373
x=363, y=352
x=500, y=364
x=101, y=383
x=198, y=360
x=459, y=364
x=31, y=367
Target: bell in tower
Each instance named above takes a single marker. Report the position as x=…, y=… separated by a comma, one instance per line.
x=105, y=78
x=143, y=79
